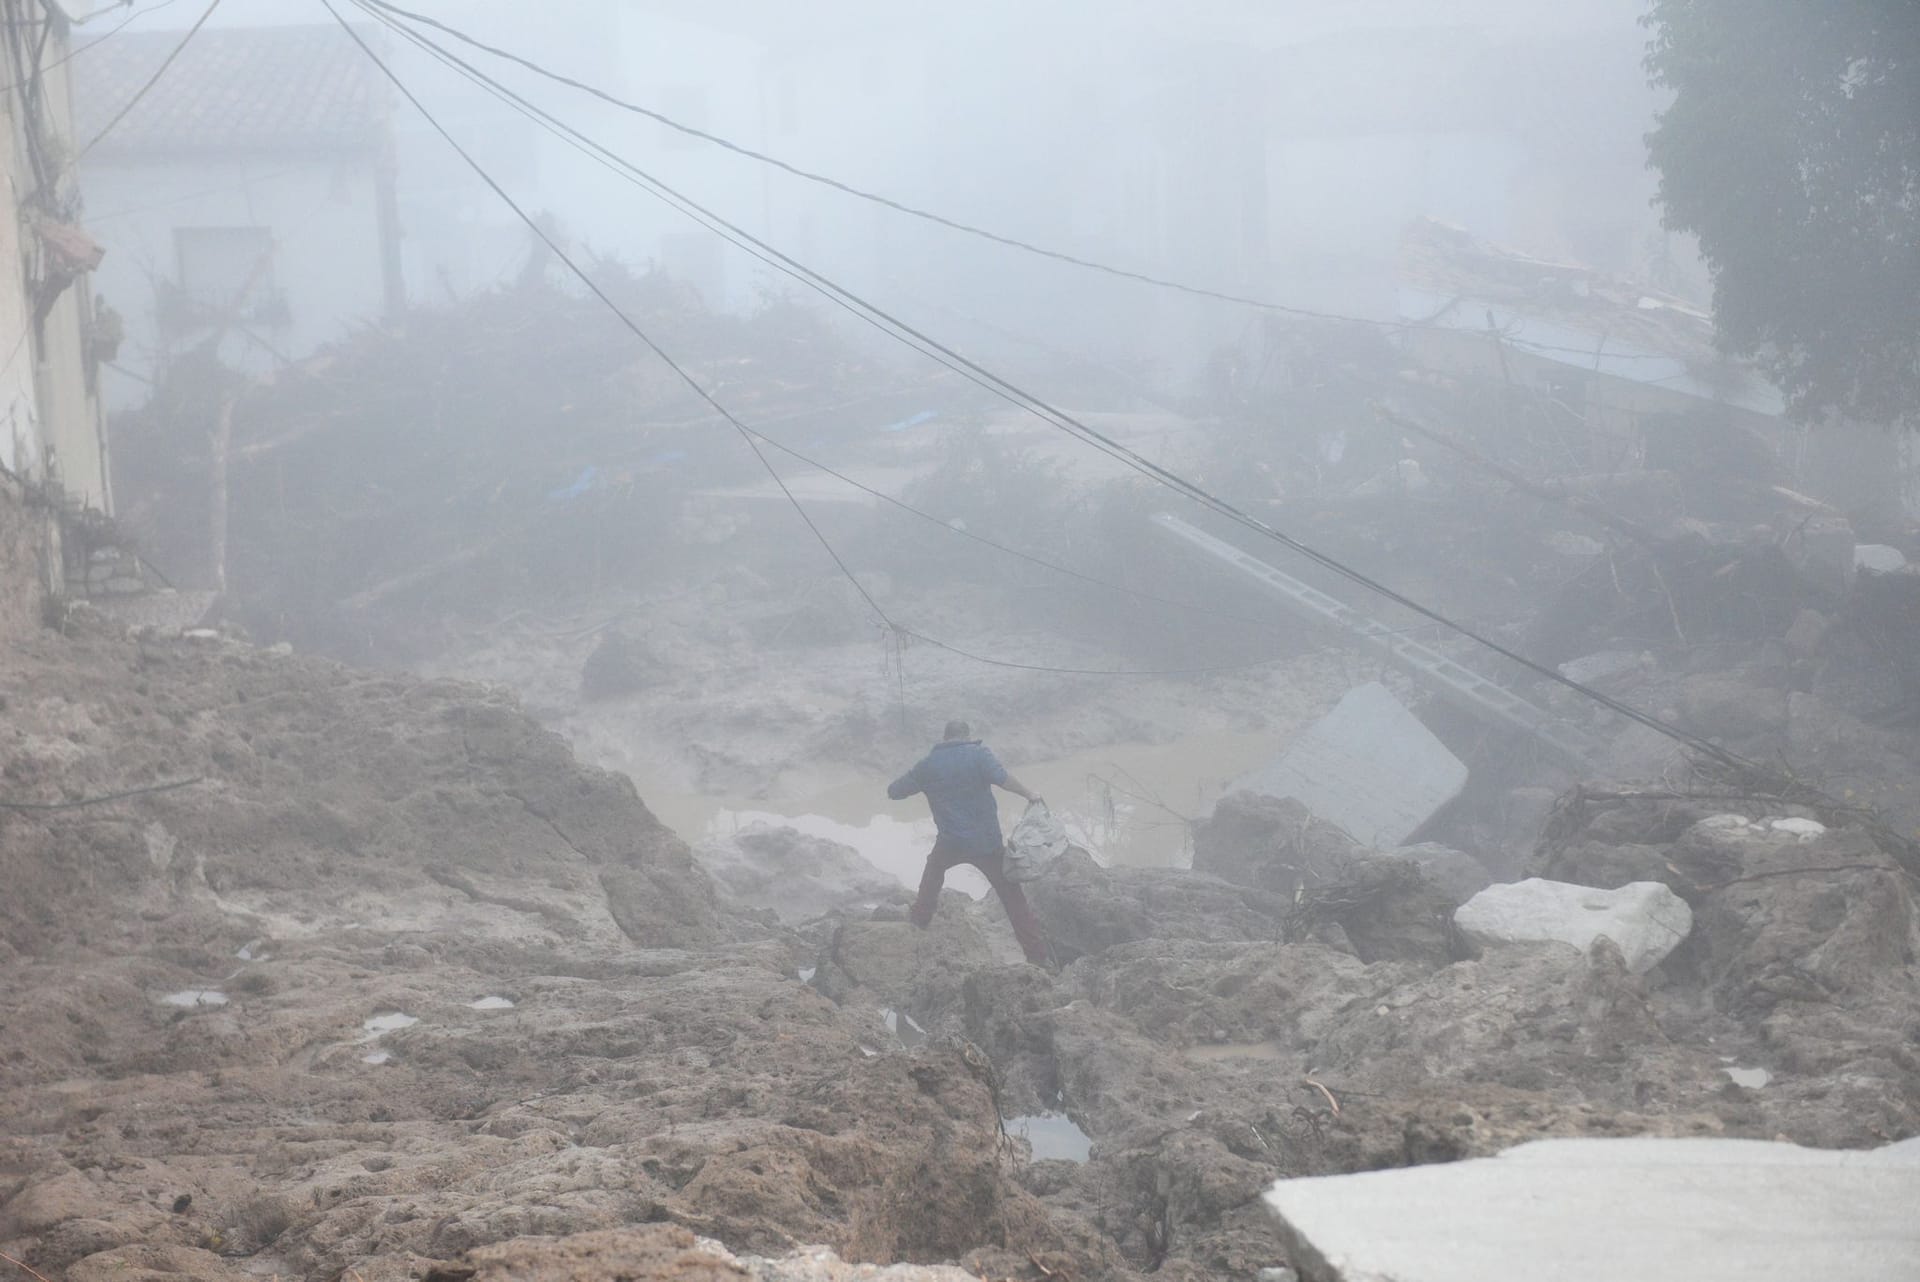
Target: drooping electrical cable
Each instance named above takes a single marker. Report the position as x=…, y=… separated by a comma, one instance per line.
x=747, y=434
x=151, y=81
x=1140, y=463
x=934, y=217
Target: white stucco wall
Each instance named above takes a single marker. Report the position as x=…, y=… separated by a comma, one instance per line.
x=321, y=211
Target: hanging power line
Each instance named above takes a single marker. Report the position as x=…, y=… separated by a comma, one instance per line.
x=746, y=433
x=152, y=80
x=1090, y=436
x=101, y=39
x=587, y=146
x=1907, y=851
x=931, y=216
x=774, y=258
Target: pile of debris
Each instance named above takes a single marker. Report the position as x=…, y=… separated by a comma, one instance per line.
x=462, y=462
x=314, y=971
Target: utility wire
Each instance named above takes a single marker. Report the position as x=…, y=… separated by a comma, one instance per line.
x=39, y=806
x=857, y=307
x=927, y=215
x=746, y=433
x=104, y=36
x=1906, y=850
x=1116, y=450
x=614, y=163
x=152, y=80
x=592, y=285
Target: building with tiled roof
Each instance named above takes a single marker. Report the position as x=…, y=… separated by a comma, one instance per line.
x=245, y=192
x=232, y=89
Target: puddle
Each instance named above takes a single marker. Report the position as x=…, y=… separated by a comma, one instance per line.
x=1125, y=802
x=491, y=1003
x=1052, y=1136
x=377, y=1057
x=196, y=997
x=1751, y=1078
x=1235, y=1052
x=391, y=1022
x=806, y=973
x=902, y=1026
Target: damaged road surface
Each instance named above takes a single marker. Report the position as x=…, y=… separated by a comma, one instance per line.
x=395, y=988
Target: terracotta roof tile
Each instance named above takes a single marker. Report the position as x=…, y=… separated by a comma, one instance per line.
x=231, y=89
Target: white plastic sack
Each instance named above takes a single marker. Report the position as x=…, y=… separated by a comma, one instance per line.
x=1036, y=841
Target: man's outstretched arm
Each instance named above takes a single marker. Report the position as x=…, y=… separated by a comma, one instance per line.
x=905, y=786
x=1019, y=789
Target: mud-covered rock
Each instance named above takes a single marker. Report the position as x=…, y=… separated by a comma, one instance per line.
x=1521, y=1017
x=894, y=965
x=797, y=876
x=1188, y=993
x=1085, y=908
x=1454, y=873
x=1274, y=843
x=1802, y=959
x=643, y=1254
x=619, y=665
x=1381, y=907
x=155, y=1264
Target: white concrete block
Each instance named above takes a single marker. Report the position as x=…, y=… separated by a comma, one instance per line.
x=1608, y=1210
x=1878, y=558
x=1368, y=766
x=1645, y=918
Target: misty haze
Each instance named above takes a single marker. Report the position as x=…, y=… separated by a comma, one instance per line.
x=1079, y=641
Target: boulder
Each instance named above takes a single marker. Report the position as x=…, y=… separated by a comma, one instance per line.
x=1084, y=908
x=1645, y=919
x=799, y=877
x=1454, y=873
x=1274, y=843
x=1808, y=631
x=1878, y=558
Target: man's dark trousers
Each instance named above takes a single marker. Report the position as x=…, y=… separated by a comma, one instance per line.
x=1026, y=927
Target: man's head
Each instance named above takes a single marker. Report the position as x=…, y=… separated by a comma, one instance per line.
x=957, y=730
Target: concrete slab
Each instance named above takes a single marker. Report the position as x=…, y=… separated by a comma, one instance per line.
x=1369, y=766
x=1649, y=1210
x=1878, y=558
x=1645, y=918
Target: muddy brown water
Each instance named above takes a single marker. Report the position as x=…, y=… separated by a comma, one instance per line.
x=1128, y=803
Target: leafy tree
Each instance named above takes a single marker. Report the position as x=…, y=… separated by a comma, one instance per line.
x=1792, y=150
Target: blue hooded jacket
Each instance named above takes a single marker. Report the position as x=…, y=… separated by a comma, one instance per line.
x=958, y=777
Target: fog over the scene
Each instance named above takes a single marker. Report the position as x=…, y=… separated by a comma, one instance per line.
x=1067, y=641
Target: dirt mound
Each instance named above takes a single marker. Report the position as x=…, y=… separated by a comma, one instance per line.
x=322, y=801
x=1086, y=909
x=395, y=978
x=396, y=986
x=1805, y=954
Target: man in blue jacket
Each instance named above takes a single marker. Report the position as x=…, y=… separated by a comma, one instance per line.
x=959, y=777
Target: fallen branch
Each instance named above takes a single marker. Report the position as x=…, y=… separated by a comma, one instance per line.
x=24, y=1267
x=101, y=801
x=1332, y=1103
x=1793, y=872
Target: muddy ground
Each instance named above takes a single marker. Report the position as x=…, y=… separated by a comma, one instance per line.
x=396, y=987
